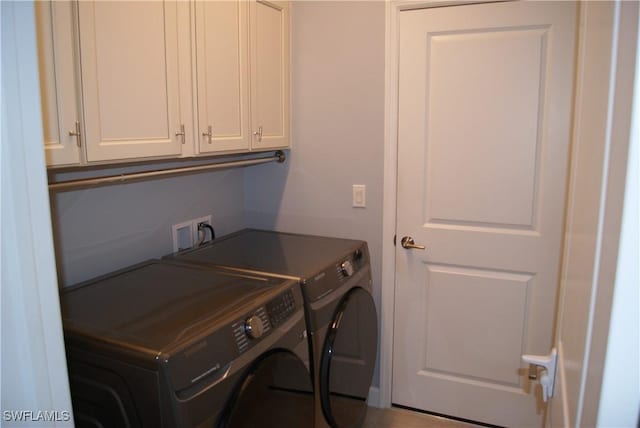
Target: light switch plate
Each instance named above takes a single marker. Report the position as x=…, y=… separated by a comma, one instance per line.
x=359, y=196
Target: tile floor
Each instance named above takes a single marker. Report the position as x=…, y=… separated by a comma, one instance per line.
x=401, y=418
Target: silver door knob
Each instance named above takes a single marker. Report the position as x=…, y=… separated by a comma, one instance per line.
x=408, y=243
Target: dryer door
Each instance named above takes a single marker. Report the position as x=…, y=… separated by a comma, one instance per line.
x=348, y=360
x=274, y=392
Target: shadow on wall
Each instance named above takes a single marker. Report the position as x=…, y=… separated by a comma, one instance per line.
x=100, y=230
x=264, y=189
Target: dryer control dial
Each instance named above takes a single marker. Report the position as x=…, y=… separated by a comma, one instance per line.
x=254, y=327
x=347, y=268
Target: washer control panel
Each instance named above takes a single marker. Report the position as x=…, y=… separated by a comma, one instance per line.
x=254, y=327
x=250, y=328
x=281, y=308
x=257, y=324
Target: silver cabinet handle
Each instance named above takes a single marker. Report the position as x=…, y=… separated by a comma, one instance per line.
x=258, y=133
x=408, y=243
x=208, y=134
x=76, y=133
x=181, y=133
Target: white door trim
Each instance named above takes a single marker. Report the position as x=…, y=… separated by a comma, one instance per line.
x=34, y=369
x=620, y=91
x=393, y=9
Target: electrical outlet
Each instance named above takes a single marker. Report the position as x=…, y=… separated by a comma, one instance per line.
x=185, y=235
x=194, y=227
x=182, y=234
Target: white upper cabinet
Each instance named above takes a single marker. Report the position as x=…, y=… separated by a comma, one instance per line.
x=130, y=79
x=135, y=80
x=269, y=28
x=56, y=50
x=222, y=88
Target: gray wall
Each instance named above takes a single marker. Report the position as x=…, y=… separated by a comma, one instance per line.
x=338, y=128
x=100, y=230
x=338, y=122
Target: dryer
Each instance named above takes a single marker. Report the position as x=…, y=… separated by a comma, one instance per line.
x=335, y=279
x=166, y=345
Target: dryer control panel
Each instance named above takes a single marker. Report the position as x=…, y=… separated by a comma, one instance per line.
x=351, y=264
x=350, y=267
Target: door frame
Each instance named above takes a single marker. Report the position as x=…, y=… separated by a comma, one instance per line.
x=392, y=14
x=604, y=225
x=34, y=362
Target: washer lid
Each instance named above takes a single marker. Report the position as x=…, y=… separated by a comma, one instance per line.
x=155, y=306
x=301, y=256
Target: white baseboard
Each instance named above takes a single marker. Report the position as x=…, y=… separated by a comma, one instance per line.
x=374, y=397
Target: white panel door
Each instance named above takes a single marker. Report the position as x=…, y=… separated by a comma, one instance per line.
x=222, y=59
x=269, y=23
x=129, y=61
x=57, y=70
x=485, y=97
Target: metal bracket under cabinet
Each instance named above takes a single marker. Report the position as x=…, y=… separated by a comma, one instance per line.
x=61, y=186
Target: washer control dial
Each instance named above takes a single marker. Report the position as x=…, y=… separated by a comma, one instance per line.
x=254, y=327
x=347, y=268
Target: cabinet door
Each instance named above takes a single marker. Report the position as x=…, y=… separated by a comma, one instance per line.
x=269, y=24
x=222, y=75
x=129, y=62
x=56, y=63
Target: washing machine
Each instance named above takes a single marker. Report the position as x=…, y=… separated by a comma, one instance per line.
x=166, y=345
x=335, y=279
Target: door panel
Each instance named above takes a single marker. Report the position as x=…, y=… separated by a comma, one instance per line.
x=269, y=74
x=130, y=79
x=485, y=97
x=471, y=291
x=56, y=66
x=494, y=182
x=223, y=75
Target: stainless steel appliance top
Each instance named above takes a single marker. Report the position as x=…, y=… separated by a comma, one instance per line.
x=156, y=306
x=298, y=256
